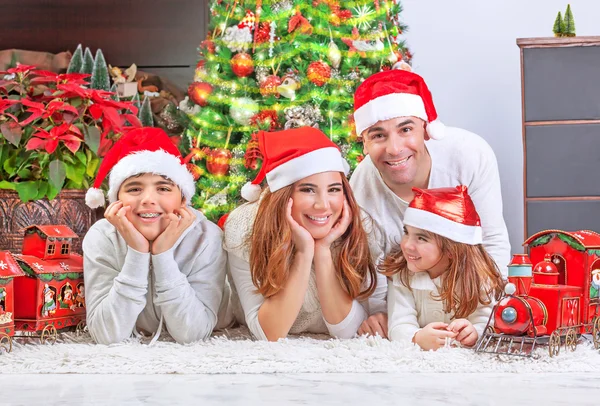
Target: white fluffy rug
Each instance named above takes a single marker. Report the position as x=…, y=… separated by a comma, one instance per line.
x=231, y=352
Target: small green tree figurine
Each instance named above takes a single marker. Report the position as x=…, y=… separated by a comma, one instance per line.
x=569, y=23
x=558, y=25
x=76, y=61
x=88, y=62
x=100, y=78
x=145, y=114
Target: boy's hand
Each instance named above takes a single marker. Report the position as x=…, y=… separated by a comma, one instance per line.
x=466, y=333
x=433, y=336
x=116, y=214
x=180, y=221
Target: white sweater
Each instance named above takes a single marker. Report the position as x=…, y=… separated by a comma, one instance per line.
x=126, y=289
x=461, y=158
x=310, y=318
x=409, y=311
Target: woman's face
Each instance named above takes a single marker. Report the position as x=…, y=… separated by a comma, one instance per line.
x=318, y=201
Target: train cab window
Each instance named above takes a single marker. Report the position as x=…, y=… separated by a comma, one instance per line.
x=65, y=249
x=51, y=249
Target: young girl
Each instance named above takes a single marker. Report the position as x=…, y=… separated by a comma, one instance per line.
x=298, y=253
x=444, y=283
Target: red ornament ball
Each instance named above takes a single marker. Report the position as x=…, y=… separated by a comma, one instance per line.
x=242, y=65
x=319, y=73
x=199, y=93
x=217, y=161
x=268, y=87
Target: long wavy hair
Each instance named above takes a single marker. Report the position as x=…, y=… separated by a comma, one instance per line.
x=472, y=276
x=272, y=251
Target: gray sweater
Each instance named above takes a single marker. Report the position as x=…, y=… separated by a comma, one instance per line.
x=127, y=289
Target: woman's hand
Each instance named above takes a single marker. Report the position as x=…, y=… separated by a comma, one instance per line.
x=302, y=239
x=338, y=229
x=116, y=214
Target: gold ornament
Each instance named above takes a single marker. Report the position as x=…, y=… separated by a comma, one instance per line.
x=334, y=54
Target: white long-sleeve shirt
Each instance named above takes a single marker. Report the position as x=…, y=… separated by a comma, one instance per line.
x=127, y=289
x=461, y=158
x=409, y=311
x=310, y=318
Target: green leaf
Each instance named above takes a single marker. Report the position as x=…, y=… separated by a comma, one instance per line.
x=27, y=190
x=81, y=156
x=7, y=185
x=12, y=132
x=42, y=190
x=58, y=173
x=92, y=137
x=10, y=165
x=24, y=173
x=92, y=166
x=75, y=173
x=52, y=192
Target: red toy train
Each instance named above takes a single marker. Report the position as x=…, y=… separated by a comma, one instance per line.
x=41, y=291
x=555, y=302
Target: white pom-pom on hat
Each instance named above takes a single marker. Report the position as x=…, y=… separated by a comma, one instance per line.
x=94, y=198
x=436, y=130
x=251, y=192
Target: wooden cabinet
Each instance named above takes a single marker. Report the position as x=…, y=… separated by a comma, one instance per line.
x=560, y=86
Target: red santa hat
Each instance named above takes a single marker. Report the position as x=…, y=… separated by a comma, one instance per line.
x=448, y=212
x=291, y=155
x=395, y=93
x=143, y=150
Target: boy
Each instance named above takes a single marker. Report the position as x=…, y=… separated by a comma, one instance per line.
x=153, y=259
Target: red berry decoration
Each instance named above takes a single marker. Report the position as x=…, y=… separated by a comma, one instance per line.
x=242, y=65
x=268, y=87
x=318, y=73
x=199, y=93
x=217, y=161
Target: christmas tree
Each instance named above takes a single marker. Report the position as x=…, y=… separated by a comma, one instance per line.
x=279, y=64
x=100, y=79
x=76, y=61
x=145, y=113
x=569, y=24
x=559, y=25
x=88, y=62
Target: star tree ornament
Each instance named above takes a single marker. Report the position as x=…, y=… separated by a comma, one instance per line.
x=363, y=15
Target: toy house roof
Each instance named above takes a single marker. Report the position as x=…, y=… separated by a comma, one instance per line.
x=8, y=266
x=589, y=239
x=73, y=263
x=56, y=231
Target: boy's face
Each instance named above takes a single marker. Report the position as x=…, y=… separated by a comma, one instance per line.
x=151, y=198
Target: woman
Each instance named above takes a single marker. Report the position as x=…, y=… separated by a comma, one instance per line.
x=298, y=253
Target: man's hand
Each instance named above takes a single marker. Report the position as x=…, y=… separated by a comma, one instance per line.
x=116, y=214
x=375, y=324
x=180, y=221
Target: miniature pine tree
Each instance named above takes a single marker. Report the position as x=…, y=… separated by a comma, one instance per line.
x=100, y=78
x=558, y=24
x=76, y=61
x=113, y=89
x=569, y=23
x=136, y=101
x=88, y=62
x=145, y=113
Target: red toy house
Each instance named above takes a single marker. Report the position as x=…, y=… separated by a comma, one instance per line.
x=8, y=271
x=51, y=296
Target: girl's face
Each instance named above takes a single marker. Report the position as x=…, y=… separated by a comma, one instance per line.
x=152, y=198
x=317, y=202
x=422, y=252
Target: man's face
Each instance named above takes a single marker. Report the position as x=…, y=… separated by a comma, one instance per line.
x=397, y=149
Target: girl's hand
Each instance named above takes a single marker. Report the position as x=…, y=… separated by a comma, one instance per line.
x=466, y=333
x=375, y=324
x=338, y=229
x=180, y=220
x=116, y=214
x=433, y=336
x=302, y=239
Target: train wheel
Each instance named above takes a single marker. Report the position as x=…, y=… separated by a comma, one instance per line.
x=571, y=340
x=81, y=328
x=5, y=343
x=596, y=333
x=49, y=334
x=554, y=343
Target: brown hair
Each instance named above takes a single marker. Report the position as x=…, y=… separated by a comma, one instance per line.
x=272, y=250
x=472, y=276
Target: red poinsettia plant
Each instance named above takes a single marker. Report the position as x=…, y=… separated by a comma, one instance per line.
x=54, y=130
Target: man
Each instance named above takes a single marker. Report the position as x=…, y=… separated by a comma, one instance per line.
x=407, y=146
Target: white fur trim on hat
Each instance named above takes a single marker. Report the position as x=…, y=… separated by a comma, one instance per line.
x=387, y=107
x=251, y=192
x=436, y=224
x=94, y=198
x=157, y=162
x=436, y=130
x=318, y=161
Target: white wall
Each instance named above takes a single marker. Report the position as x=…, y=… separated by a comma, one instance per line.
x=466, y=51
